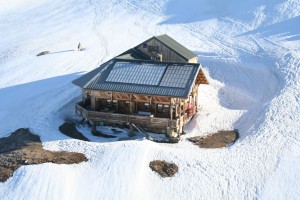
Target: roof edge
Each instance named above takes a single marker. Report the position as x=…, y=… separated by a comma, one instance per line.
x=154, y=61
x=156, y=37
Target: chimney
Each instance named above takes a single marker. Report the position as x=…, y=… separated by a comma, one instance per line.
x=159, y=56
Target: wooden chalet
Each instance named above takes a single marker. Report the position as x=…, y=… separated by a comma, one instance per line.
x=153, y=86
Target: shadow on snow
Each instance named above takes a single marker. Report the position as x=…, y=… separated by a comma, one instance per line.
x=179, y=11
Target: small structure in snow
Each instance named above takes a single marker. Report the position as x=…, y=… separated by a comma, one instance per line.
x=79, y=47
x=43, y=53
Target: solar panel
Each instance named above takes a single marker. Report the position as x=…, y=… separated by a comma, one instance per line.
x=136, y=73
x=176, y=76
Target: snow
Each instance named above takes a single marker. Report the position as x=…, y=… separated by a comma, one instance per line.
x=249, y=51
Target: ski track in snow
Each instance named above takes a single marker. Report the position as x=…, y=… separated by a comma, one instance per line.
x=254, y=86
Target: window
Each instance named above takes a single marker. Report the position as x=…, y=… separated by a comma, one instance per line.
x=147, y=107
x=127, y=104
x=163, y=108
x=108, y=103
x=159, y=108
x=114, y=104
x=166, y=109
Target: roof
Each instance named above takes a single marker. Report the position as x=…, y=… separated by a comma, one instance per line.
x=133, y=54
x=84, y=79
x=142, y=77
x=174, y=45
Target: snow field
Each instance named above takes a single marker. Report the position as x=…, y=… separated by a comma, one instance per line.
x=250, y=53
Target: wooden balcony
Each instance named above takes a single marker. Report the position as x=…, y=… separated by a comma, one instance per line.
x=146, y=122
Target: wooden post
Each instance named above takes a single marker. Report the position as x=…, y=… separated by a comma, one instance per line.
x=117, y=106
x=180, y=129
x=136, y=106
x=184, y=106
x=93, y=127
x=130, y=110
x=97, y=104
x=131, y=131
x=93, y=103
x=180, y=108
x=150, y=106
x=176, y=107
x=171, y=109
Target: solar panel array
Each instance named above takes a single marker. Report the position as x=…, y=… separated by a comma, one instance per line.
x=136, y=73
x=176, y=76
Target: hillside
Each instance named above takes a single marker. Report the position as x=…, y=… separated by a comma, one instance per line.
x=250, y=51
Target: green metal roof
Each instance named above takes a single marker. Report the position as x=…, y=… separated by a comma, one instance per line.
x=174, y=45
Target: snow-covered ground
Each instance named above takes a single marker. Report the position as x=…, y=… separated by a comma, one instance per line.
x=250, y=51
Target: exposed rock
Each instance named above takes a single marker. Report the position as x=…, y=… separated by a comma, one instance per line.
x=70, y=130
x=163, y=168
x=24, y=148
x=216, y=140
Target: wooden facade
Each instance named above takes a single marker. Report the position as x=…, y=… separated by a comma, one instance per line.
x=153, y=47
x=160, y=114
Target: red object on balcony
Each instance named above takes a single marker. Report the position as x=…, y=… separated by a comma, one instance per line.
x=190, y=109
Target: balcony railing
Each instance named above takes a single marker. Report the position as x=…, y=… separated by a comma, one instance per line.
x=125, y=119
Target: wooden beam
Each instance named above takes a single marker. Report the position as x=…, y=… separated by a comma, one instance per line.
x=83, y=96
x=201, y=79
x=130, y=110
x=176, y=107
x=93, y=102
x=135, y=97
x=171, y=111
x=117, y=106
x=180, y=111
x=121, y=96
x=136, y=107
x=150, y=102
x=184, y=105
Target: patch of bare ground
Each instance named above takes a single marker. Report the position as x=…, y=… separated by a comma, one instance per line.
x=217, y=140
x=163, y=168
x=24, y=148
x=69, y=129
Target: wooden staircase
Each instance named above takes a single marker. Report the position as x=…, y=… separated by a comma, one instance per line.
x=141, y=130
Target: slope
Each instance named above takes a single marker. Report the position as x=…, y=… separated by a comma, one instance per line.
x=249, y=51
